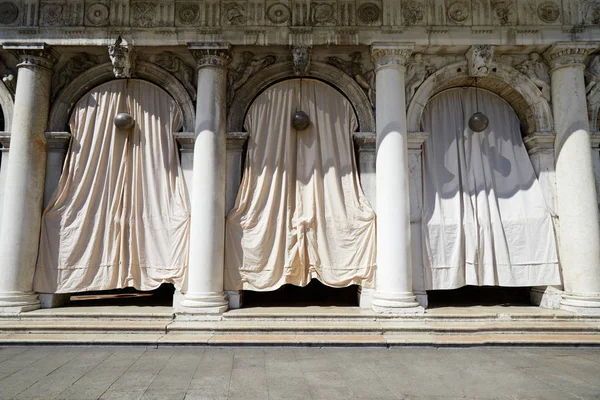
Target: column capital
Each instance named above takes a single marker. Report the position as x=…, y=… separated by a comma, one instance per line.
x=32, y=54
x=57, y=141
x=215, y=54
x=562, y=54
x=391, y=53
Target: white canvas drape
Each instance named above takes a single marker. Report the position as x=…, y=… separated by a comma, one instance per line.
x=119, y=217
x=485, y=221
x=300, y=212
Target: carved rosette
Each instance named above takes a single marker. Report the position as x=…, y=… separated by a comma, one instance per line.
x=384, y=55
x=33, y=55
x=565, y=54
x=211, y=54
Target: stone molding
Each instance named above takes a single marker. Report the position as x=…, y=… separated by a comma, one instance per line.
x=365, y=141
x=83, y=83
x=415, y=140
x=32, y=54
x=187, y=140
x=384, y=54
x=211, y=54
x=5, y=140
x=57, y=141
x=517, y=89
x=563, y=54
x=284, y=70
x=539, y=142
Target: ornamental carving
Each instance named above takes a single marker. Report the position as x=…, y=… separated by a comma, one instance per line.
x=9, y=78
x=354, y=68
x=368, y=13
x=234, y=14
x=143, y=14
x=245, y=70
x=122, y=58
x=278, y=13
x=8, y=12
x=416, y=72
x=188, y=13
x=301, y=59
x=97, y=14
x=548, y=12
x=479, y=60
x=413, y=12
x=73, y=67
x=390, y=55
x=562, y=54
x=211, y=54
x=592, y=79
x=32, y=55
x=52, y=14
x=591, y=12
x=458, y=12
x=175, y=65
x=536, y=69
x=503, y=11
x=323, y=13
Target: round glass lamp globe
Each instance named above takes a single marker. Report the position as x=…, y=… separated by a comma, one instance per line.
x=300, y=121
x=478, y=122
x=124, y=121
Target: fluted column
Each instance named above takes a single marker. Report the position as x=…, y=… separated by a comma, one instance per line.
x=204, y=292
x=22, y=209
x=393, y=286
x=579, y=232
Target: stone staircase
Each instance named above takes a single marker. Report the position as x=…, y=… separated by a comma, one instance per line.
x=307, y=326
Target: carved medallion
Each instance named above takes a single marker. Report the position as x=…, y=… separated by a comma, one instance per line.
x=97, y=14
x=548, y=12
x=8, y=12
x=458, y=12
x=323, y=13
x=143, y=14
x=278, y=13
x=234, y=14
x=52, y=14
x=188, y=13
x=413, y=12
x=503, y=11
x=368, y=13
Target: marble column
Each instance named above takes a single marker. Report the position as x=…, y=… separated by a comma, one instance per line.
x=4, y=154
x=204, y=291
x=579, y=232
x=21, y=211
x=393, y=284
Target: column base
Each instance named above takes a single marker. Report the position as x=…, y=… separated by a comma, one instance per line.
x=235, y=298
x=546, y=297
x=396, y=303
x=422, y=299
x=365, y=297
x=583, y=305
x=203, y=303
x=18, y=302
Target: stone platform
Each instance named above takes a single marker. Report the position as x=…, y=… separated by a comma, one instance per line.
x=302, y=326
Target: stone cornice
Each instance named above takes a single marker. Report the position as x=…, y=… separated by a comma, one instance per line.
x=569, y=53
x=539, y=142
x=365, y=141
x=32, y=54
x=391, y=53
x=216, y=54
x=415, y=140
x=57, y=141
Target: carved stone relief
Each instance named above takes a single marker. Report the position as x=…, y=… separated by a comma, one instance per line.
x=97, y=14
x=413, y=12
x=122, y=58
x=458, y=11
x=503, y=12
x=9, y=78
x=301, y=59
x=9, y=12
x=175, y=65
x=58, y=13
x=323, y=13
x=355, y=69
x=548, y=12
x=143, y=14
x=591, y=12
x=369, y=13
x=480, y=12
x=479, y=59
x=417, y=71
x=278, y=13
x=592, y=90
x=233, y=14
x=536, y=69
x=247, y=67
x=73, y=67
x=187, y=13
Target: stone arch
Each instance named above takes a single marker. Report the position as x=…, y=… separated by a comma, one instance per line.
x=63, y=106
x=517, y=89
x=7, y=104
x=277, y=72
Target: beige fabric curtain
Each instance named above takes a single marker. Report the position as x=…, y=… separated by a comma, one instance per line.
x=120, y=216
x=485, y=221
x=300, y=212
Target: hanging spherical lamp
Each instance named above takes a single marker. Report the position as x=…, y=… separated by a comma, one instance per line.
x=124, y=121
x=478, y=121
x=300, y=120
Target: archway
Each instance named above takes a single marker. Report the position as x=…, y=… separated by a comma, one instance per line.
x=300, y=214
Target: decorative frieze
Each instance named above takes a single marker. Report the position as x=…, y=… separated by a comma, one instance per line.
x=355, y=69
x=217, y=54
x=416, y=72
x=74, y=66
x=32, y=54
x=9, y=12
x=175, y=65
x=536, y=69
x=248, y=66
x=548, y=12
x=567, y=53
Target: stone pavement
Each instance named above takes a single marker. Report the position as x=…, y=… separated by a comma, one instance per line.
x=302, y=373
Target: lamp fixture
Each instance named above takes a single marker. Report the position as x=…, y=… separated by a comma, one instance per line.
x=478, y=121
x=300, y=120
x=124, y=121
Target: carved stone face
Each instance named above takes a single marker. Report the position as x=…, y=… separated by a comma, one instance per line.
x=418, y=58
x=300, y=56
x=119, y=57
